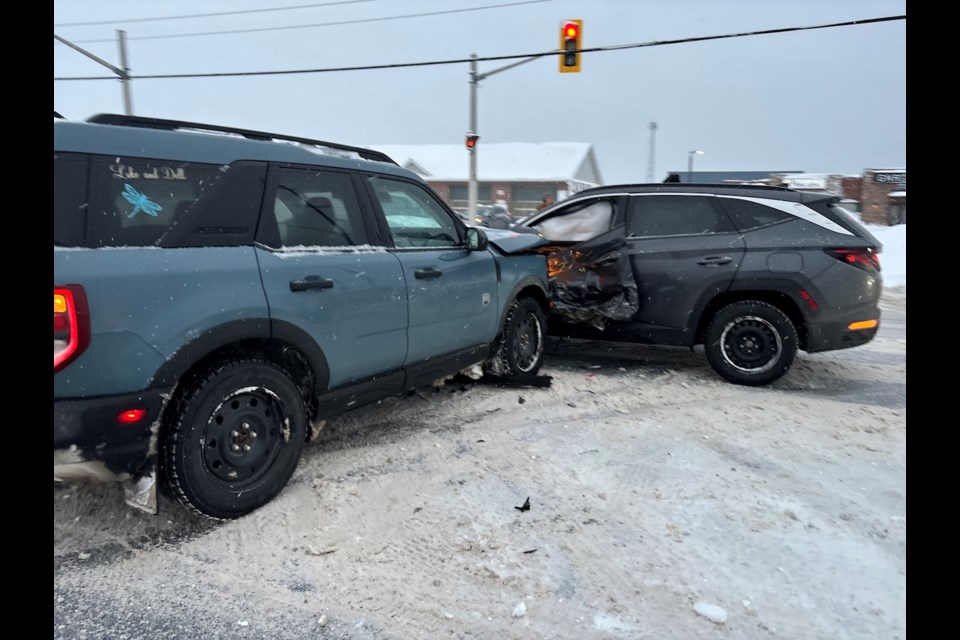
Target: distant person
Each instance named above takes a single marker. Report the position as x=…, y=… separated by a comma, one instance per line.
x=673, y=177
x=546, y=202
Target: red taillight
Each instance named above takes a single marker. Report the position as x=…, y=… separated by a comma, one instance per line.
x=866, y=259
x=130, y=416
x=71, y=325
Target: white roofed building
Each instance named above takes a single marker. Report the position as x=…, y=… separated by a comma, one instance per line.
x=515, y=174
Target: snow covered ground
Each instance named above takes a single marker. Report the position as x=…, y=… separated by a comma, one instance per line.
x=664, y=503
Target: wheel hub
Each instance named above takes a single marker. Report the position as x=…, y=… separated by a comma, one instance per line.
x=751, y=344
x=243, y=437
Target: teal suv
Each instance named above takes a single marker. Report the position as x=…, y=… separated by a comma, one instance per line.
x=218, y=292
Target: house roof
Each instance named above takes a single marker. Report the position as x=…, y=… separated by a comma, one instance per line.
x=507, y=161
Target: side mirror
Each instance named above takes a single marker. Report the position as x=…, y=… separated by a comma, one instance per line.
x=476, y=239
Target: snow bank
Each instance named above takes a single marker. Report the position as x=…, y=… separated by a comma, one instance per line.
x=893, y=258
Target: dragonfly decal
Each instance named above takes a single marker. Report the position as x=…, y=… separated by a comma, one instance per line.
x=140, y=202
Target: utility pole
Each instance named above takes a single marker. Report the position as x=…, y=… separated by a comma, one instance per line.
x=653, y=144
x=475, y=79
x=123, y=74
x=125, y=78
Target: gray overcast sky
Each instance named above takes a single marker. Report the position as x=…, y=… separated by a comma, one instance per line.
x=823, y=101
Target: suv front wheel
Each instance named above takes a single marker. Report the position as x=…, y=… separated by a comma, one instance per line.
x=751, y=342
x=520, y=351
x=234, y=438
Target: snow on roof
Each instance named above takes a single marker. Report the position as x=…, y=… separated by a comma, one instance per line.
x=901, y=170
x=507, y=161
x=811, y=176
x=897, y=194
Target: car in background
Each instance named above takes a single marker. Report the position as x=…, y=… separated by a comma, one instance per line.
x=219, y=292
x=751, y=273
x=493, y=216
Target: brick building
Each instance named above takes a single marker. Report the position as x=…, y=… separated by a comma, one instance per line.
x=883, y=196
x=514, y=174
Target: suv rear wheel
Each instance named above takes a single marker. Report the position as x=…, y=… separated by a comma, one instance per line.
x=751, y=342
x=522, y=341
x=234, y=438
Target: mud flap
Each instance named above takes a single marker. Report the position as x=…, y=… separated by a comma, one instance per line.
x=592, y=282
x=142, y=492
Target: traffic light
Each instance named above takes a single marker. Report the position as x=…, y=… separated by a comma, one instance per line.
x=471, y=141
x=570, y=39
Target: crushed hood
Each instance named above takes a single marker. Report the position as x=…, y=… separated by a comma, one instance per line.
x=507, y=241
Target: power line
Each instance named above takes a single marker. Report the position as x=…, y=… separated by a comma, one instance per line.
x=210, y=15
x=654, y=43
x=320, y=24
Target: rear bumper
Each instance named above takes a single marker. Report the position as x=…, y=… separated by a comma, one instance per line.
x=89, y=443
x=829, y=336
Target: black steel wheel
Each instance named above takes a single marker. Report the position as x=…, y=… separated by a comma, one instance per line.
x=751, y=342
x=521, y=347
x=234, y=438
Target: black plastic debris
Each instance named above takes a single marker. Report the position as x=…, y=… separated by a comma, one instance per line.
x=530, y=551
x=518, y=381
x=520, y=400
x=525, y=506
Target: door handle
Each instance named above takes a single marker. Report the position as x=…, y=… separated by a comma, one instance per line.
x=427, y=274
x=715, y=261
x=311, y=282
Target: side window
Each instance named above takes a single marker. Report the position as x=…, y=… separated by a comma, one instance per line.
x=651, y=216
x=134, y=201
x=314, y=209
x=69, y=199
x=752, y=215
x=578, y=222
x=415, y=218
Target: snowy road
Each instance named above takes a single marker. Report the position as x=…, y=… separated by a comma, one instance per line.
x=665, y=503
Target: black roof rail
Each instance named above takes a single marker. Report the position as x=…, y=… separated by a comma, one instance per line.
x=173, y=125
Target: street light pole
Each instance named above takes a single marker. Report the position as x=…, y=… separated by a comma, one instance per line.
x=472, y=188
x=475, y=78
x=690, y=164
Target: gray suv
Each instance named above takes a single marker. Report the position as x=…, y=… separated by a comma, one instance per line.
x=217, y=292
x=751, y=273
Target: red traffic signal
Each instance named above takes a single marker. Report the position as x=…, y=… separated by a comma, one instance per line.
x=471, y=140
x=570, y=45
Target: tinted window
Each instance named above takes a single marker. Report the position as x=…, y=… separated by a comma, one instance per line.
x=133, y=201
x=414, y=217
x=674, y=216
x=752, y=215
x=69, y=199
x=314, y=209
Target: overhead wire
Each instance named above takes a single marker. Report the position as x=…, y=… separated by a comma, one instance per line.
x=210, y=15
x=652, y=43
x=337, y=23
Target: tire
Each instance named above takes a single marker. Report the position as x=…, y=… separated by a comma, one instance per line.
x=234, y=438
x=521, y=347
x=751, y=343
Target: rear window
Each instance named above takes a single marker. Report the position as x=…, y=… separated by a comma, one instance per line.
x=833, y=211
x=133, y=201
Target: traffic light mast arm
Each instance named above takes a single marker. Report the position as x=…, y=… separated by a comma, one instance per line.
x=483, y=76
